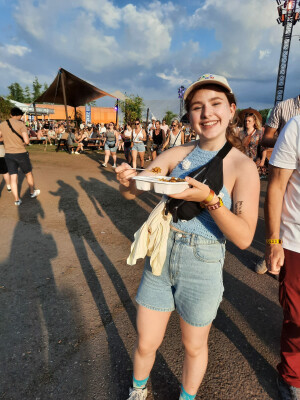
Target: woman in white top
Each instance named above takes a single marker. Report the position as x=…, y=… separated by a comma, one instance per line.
x=137, y=143
x=176, y=136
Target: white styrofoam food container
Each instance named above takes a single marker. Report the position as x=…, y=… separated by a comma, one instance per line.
x=164, y=187
x=143, y=182
x=159, y=186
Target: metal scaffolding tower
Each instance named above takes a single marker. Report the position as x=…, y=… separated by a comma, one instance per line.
x=288, y=17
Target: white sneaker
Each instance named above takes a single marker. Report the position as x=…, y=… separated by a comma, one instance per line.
x=137, y=394
x=76, y=152
x=18, y=202
x=104, y=165
x=35, y=193
x=8, y=188
x=114, y=166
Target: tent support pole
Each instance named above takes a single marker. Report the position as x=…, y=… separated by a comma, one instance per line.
x=75, y=117
x=147, y=119
x=65, y=99
x=117, y=113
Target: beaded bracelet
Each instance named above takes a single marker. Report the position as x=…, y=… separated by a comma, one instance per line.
x=216, y=205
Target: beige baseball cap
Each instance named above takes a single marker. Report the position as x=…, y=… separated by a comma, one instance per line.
x=208, y=79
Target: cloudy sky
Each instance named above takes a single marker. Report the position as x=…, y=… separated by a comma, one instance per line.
x=148, y=47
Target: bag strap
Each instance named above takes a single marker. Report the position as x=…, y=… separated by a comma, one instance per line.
x=14, y=131
x=179, y=133
x=221, y=154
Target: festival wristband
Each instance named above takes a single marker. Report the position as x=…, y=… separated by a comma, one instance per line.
x=216, y=205
x=273, y=241
x=209, y=197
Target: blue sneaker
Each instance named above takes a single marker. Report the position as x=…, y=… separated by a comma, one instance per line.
x=286, y=391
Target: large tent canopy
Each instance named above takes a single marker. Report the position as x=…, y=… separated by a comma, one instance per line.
x=71, y=90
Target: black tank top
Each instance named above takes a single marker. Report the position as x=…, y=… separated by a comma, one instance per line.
x=158, y=139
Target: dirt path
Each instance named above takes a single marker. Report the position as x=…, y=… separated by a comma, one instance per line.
x=67, y=297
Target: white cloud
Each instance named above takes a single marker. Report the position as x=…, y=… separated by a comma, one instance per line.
x=242, y=29
x=16, y=50
x=10, y=73
x=105, y=10
x=264, y=53
x=174, y=79
x=129, y=35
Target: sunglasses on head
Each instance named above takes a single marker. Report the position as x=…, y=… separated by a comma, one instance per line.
x=137, y=123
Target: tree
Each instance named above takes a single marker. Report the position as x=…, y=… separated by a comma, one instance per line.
x=16, y=92
x=36, y=88
x=92, y=103
x=46, y=86
x=132, y=108
x=264, y=113
x=27, y=95
x=169, y=116
x=5, y=107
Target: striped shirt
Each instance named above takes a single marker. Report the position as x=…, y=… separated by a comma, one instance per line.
x=283, y=112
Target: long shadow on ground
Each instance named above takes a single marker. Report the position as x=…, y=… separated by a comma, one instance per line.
x=80, y=231
x=34, y=343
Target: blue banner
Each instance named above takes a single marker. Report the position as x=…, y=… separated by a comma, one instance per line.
x=88, y=117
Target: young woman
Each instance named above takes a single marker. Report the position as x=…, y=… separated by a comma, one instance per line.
x=137, y=143
x=191, y=277
x=111, y=143
x=176, y=136
x=158, y=140
x=80, y=136
x=251, y=137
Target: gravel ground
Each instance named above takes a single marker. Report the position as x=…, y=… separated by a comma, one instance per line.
x=67, y=296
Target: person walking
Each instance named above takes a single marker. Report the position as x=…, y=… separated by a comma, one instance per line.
x=251, y=136
x=188, y=277
x=111, y=143
x=137, y=144
x=282, y=219
x=175, y=137
x=14, y=135
x=158, y=140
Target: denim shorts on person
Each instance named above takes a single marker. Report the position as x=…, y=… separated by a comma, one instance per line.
x=112, y=149
x=139, y=147
x=191, y=280
x=18, y=160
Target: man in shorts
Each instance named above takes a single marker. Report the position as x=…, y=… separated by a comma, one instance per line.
x=14, y=135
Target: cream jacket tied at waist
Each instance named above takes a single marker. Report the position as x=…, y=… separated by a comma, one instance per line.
x=151, y=239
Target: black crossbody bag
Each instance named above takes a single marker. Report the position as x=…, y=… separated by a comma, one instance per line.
x=14, y=131
x=212, y=175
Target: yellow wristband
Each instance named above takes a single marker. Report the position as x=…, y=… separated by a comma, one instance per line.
x=209, y=197
x=273, y=241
